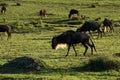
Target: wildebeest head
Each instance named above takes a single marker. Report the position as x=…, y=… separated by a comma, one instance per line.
x=3, y=9
x=73, y=11
x=56, y=44
x=42, y=12
x=79, y=30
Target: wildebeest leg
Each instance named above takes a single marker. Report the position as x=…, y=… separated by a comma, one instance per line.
x=104, y=29
x=91, y=46
x=9, y=35
x=90, y=34
x=1, y=35
x=68, y=50
x=111, y=28
x=78, y=14
x=99, y=32
x=69, y=16
x=86, y=48
x=74, y=50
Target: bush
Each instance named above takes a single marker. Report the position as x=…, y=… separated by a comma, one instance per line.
x=103, y=63
x=23, y=64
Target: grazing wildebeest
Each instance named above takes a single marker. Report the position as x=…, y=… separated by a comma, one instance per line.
x=18, y=4
x=43, y=13
x=107, y=23
x=90, y=26
x=7, y=29
x=3, y=10
x=71, y=38
x=73, y=11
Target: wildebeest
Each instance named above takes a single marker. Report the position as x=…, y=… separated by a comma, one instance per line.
x=3, y=10
x=107, y=23
x=90, y=26
x=7, y=29
x=18, y=4
x=43, y=13
x=71, y=38
x=73, y=11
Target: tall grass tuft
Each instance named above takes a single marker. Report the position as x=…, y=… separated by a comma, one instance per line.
x=23, y=64
x=103, y=64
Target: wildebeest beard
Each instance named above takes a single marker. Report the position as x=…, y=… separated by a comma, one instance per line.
x=56, y=45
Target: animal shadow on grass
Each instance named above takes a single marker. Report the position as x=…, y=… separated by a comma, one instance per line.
x=73, y=21
x=41, y=38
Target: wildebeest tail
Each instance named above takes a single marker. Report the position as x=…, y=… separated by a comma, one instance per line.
x=93, y=44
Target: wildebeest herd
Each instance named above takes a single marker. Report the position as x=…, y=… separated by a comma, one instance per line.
x=71, y=37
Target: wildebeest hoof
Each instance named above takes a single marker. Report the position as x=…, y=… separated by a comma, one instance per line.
x=66, y=55
x=75, y=55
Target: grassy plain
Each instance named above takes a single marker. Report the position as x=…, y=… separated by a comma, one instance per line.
x=36, y=42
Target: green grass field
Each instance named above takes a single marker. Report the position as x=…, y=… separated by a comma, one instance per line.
x=34, y=42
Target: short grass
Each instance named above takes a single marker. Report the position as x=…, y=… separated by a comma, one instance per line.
x=36, y=42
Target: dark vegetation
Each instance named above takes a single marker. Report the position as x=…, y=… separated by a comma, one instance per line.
x=23, y=65
x=102, y=64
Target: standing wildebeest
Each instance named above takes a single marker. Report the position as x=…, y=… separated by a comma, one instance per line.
x=73, y=11
x=71, y=38
x=42, y=12
x=107, y=23
x=90, y=26
x=7, y=29
x=3, y=10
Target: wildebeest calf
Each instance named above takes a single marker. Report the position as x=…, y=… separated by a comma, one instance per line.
x=71, y=38
x=7, y=29
x=90, y=26
x=73, y=11
x=107, y=23
x=3, y=10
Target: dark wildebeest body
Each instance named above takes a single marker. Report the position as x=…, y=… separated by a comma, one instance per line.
x=71, y=38
x=90, y=26
x=7, y=29
x=3, y=10
x=43, y=12
x=107, y=23
x=73, y=11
